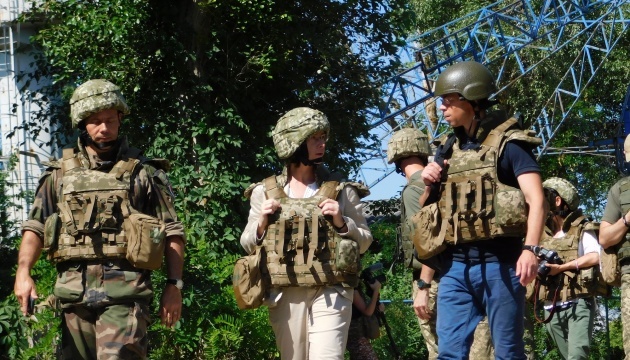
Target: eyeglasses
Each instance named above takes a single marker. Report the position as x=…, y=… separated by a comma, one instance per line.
x=447, y=101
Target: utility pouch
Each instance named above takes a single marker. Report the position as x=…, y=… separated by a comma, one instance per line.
x=609, y=266
x=427, y=236
x=250, y=280
x=510, y=207
x=51, y=232
x=145, y=241
x=347, y=256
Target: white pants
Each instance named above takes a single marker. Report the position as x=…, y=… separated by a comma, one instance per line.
x=311, y=323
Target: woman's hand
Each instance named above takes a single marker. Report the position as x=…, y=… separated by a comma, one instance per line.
x=267, y=208
x=330, y=207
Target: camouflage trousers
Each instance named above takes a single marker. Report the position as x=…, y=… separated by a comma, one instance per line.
x=109, y=333
x=358, y=346
x=482, y=344
x=625, y=313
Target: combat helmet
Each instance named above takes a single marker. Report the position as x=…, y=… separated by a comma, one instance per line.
x=469, y=78
x=94, y=96
x=565, y=189
x=407, y=142
x=294, y=127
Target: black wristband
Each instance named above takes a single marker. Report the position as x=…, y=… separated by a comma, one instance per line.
x=533, y=248
x=623, y=218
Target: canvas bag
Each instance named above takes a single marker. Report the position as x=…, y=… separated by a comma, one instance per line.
x=249, y=281
x=371, y=328
x=427, y=237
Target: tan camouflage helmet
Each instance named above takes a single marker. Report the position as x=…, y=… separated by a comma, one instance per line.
x=565, y=189
x=294, y=127
x=94, y=96
x=407, y=142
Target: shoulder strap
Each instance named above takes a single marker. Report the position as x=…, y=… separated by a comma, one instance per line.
x=494, y=137
x=69, y=161
x=273, y=190
x=329, y=189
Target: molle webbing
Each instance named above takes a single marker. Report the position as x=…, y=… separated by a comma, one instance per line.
x=302, y=248
x=474, y=205
x=92, y=208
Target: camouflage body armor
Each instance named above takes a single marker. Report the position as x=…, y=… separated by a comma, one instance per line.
x=302, y=247
x=623, y=251
x=92, y=211
x=474, y=205
x=586, y=282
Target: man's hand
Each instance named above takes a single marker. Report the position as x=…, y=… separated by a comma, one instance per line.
x=527, y=267
x=555, y=269
x=171, y=306
x=421, y=305
x=24, y=289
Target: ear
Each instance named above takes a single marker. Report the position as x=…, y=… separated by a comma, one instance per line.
x=558, y=202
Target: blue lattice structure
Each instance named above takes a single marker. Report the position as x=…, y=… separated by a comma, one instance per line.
x=497, y=35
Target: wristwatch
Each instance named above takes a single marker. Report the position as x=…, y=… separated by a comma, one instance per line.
x=177, y=282
x=423, y=285
x=533, y=248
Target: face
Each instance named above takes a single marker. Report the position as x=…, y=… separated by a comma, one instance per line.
x=103, y=126
x=316, y=145
x=457, y=111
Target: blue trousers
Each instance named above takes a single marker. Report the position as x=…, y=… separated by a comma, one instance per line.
x=467, y=292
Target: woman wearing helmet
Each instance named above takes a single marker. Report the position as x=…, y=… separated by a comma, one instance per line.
x=574, y=238
x=310, y=314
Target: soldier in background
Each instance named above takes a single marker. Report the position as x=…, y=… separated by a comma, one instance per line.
x=309, y=308
x=574, y=238
x=484, y=186
x=87, y=208
x=614, y=233
x=408, y=149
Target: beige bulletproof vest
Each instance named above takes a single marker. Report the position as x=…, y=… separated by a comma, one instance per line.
x=92, y=209
x=574, y=284
x=301, y=245
x=474, y=205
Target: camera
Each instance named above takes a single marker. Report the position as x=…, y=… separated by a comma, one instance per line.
x=372, y=273
x=547, y=256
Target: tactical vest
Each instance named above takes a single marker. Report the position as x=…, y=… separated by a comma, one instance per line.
x=586, y=282
x=92, y=209
x=404, y=234
x=624, y=200
x=474, y=205
x=302, y=246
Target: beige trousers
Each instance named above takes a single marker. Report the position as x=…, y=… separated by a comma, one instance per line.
x=311, y=323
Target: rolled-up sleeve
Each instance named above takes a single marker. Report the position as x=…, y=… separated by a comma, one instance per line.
x=352, y=211
x=44, y=205
x=248, y=237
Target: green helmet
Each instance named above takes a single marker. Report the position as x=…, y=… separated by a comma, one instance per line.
x=94, y=96
x=565, y=189
x=407, y=142
x=469, y=78
x=295, y=127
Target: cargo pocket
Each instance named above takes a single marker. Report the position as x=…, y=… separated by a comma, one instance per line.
x=70, y=286
x=122, y=281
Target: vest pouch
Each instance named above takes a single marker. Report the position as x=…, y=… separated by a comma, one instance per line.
x=426, y=235
x=51, y=232
x=592, y=281
x=347, y=256
x=145, y=241
x=250, y=280
x=609, y=266
x=510, y=207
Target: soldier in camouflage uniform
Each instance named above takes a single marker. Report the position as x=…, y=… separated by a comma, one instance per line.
x=574, y=238
x=408, y=149
x=310, y=307
x=490, y=176
x=88, y=206
x=614, y=232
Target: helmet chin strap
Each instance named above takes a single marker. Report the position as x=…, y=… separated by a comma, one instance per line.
x=87, y=140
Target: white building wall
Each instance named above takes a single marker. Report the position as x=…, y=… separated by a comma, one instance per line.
x=16, y=108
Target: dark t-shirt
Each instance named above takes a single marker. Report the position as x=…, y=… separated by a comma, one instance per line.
x=516, y=159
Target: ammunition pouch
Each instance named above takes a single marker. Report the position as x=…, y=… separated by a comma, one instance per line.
x=146, y=239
